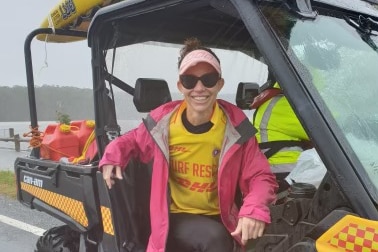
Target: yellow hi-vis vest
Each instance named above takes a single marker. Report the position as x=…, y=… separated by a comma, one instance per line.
x=275, y=120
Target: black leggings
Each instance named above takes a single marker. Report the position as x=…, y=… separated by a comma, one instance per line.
x=198, y=233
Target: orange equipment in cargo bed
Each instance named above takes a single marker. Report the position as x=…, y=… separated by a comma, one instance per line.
x=85, y=130
x=59, y=141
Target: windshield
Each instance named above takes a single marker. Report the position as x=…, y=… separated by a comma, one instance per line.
x=338, y=56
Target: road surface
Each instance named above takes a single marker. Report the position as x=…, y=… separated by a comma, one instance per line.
x=21, y=226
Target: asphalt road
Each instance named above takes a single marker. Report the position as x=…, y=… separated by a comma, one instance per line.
x=20, y=226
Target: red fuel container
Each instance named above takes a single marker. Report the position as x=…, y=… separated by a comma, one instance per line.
x=83, y=129
x=59, y=141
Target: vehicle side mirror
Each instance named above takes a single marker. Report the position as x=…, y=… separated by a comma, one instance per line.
x=247, y=91
x=150, y=94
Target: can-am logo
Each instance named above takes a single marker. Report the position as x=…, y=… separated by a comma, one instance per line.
x=33, y=181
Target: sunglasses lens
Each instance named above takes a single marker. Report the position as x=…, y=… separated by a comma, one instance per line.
x=188, y=81
x=210, y=80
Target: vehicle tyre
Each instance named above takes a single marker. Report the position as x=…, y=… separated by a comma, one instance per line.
x=59, y=239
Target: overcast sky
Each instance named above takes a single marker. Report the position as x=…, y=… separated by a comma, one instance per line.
x=54, y=64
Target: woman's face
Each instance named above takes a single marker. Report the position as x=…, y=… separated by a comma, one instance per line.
x=200, y=99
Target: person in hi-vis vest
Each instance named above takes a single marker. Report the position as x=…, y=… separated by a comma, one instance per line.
x=280, y=134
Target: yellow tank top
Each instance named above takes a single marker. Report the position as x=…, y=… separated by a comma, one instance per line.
x=193, y=166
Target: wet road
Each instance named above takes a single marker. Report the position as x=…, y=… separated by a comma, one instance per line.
x=20, y=226
x=16, y=240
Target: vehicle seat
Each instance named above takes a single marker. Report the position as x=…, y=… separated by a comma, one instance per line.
x=150, y=94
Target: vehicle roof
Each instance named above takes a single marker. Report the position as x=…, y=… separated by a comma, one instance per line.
x=369, y=7
x=177, y=18
x=182, y=17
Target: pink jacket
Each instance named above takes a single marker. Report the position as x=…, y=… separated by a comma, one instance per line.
x=241, y=164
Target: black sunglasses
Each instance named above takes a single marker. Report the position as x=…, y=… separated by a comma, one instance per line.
x=209, y=80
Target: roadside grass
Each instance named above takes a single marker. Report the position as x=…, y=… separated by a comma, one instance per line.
x=8, y=184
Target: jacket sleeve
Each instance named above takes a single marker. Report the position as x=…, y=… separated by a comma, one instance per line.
x=135, y=144
x=257, y=183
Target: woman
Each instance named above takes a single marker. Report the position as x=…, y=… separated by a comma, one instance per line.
x=202, y=150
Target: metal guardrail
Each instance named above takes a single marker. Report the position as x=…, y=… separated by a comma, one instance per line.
x=14, y=138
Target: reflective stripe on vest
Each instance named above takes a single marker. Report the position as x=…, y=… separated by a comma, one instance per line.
x=265, y=140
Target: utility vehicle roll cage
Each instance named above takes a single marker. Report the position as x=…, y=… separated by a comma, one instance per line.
x=246, y=26
x=122, y=23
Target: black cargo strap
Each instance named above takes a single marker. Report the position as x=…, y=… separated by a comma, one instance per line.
x=275, y=146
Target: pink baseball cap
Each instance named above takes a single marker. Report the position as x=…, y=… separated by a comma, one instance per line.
x=197, y=56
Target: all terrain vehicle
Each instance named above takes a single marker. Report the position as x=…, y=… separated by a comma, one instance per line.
x=323, y=53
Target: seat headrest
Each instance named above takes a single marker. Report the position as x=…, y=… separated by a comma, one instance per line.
x=245, y=94
x=150, y=94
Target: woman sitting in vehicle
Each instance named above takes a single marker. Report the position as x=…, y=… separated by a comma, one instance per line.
x=202, y=149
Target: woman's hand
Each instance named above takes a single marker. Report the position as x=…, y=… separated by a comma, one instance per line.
x=249, y=228
x=109, y=175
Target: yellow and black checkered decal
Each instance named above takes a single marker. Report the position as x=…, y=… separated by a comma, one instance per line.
x=107, y=220
x=69, y=206
x=350, y=234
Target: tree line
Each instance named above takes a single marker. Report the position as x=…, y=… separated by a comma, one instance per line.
x=51, y=102
x=55, y=101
